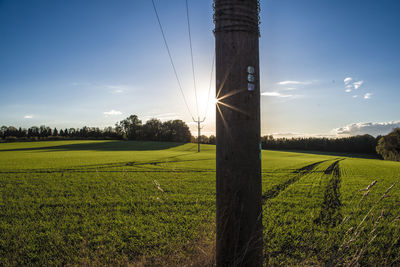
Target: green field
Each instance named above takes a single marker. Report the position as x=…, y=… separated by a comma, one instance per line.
x=148, y=203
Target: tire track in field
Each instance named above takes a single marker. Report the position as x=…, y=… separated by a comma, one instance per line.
x=298, y=173
x=100, y=167
x=330, y=214
x=112, y=171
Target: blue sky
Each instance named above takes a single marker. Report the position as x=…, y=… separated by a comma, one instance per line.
x=327, y=67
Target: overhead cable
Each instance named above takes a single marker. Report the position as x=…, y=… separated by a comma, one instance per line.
x=191, y=55
x=171, y=60
x=209, y=87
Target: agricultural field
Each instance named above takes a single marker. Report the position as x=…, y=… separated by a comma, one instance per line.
x=153, y=204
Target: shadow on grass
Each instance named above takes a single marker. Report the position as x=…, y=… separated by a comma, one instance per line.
x=105, y=146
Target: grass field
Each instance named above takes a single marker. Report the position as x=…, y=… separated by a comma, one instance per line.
x=147, y=203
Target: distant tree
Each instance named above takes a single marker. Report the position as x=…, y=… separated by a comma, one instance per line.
x=152, y=130
x=12, y=131
x=176, y=131
x=389, y=146
x=119, y=131
x=55, y=132
x=203, y=139
x=109, y=132
x=3, y=131
x=42, y=131
x=131, y=126
x=20, y=132
x=83, y=132
x=212, y=140
x=72, y=132
x=33, y=131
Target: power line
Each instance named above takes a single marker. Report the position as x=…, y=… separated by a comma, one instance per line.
x=193, y=68
x=194, y=83
x=171, y=60
x=191, y=55
x=209, y=87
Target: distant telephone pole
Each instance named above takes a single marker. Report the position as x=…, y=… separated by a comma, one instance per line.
x=239, y=208
x=198, y=131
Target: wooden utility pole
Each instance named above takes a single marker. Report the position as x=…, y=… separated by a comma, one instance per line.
x=239, y=224
x=198, y=131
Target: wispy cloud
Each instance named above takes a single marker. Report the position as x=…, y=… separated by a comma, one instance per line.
x=275, y=94
x=118, y=89
x=367, y=96
x=372, y=128
x=112, y=112
x=113, y=88
x=289, y=89
x=347, y=80
x=357, y=84
x=351, y=84
x=292, y=83
x=28, y=116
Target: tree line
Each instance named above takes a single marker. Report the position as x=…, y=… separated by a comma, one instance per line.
x=387, y=147
x=365, y=144
x=204, y=139
x=130, y=128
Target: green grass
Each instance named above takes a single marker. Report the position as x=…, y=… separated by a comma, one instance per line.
x=121, y=203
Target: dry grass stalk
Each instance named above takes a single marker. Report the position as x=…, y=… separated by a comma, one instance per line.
x=202, y=255
x=369, y=186
x=158, y=186
x=350, y=239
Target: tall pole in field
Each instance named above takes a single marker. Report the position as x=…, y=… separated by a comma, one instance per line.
x=239, y=224
x=198, y=131
x=198, y=135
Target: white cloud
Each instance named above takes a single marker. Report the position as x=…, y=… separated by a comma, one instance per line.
x=351, y=84
x=118, y=89
x=357, y=84
x=28, y=116
x=372, y=128
x=276, y=94
x=347, y=80
x=355, y=96
x=289, y=89
x=112, y=113
x=292, y=83
x=367, y=96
